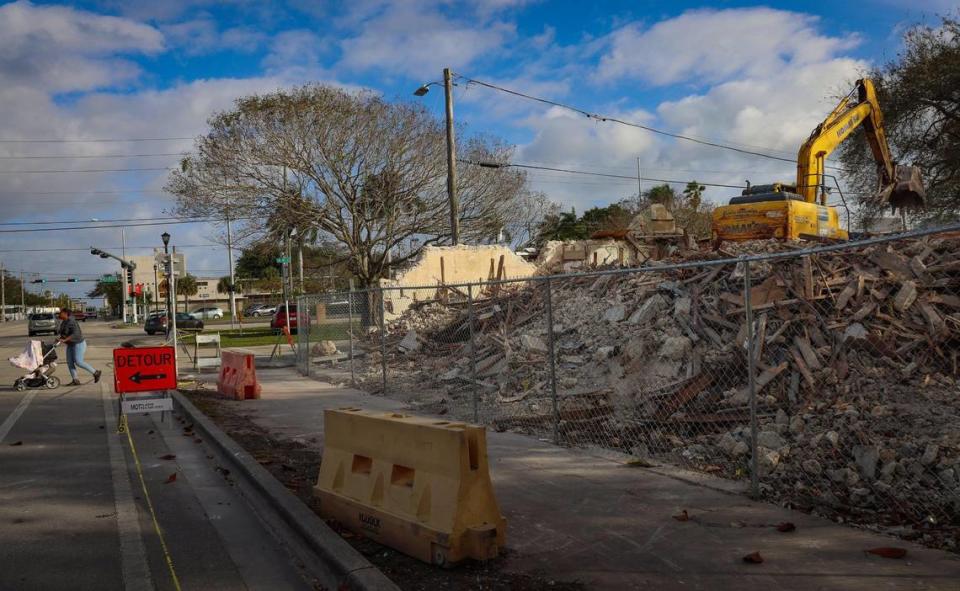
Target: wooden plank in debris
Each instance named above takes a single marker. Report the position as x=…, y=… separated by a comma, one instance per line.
x=937, y=325
x=809, y=355
x=848, y=292
x=807, y=271
x=864, y=311
x=759, y=337
x=906, y=296
x=802, y=367
x=765, y=377
x=893, y=263
x=684, y=395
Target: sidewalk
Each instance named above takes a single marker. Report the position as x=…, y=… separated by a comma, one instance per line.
x=575, y=515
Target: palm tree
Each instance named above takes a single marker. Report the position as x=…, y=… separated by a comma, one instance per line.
x=694, y=193
x=186, y=287
x=223, y=286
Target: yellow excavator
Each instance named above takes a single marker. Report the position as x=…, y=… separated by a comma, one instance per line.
x=800, y=211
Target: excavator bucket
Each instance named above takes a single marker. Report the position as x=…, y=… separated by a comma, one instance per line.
x=906, y=192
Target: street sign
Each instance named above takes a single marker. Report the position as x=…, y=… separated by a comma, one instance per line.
x=142, y=369
x=283, y=260
x=143, y=405
x=109, y=279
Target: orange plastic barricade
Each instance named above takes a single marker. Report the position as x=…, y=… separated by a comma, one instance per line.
x=238, y=375
x=416, y=484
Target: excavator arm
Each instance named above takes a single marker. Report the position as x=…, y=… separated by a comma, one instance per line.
x=899, y=185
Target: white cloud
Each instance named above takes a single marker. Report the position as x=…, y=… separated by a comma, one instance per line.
x=417, y=39
x=202, y=35
x=709, y=46
x=64, y=50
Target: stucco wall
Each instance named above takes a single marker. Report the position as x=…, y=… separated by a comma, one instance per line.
x=576, y=255
x=451, y=265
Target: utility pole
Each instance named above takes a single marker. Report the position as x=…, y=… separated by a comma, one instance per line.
x=233, y=296
x=451, y=159
x=123, y=271
x=3, y=293
x=156, y=290
x=639, y=182
x=23, y=299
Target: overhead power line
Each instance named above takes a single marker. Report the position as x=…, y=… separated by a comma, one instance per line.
x=598, y=117
x=91, y=140
x=85, y=170
x=168, y=223
x=85, y=156
x=104, y=221
x=179, y=246
x=598, y=174
x=14, y=193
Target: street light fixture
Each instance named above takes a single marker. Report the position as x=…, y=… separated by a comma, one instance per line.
x=451, y=152
x=166, y=240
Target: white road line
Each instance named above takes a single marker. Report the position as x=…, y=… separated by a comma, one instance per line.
x=133, y=556
x=12, y=419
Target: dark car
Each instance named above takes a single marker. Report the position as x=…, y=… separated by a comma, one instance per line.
x=80, y=316
x=157, y=322
x=279, y=320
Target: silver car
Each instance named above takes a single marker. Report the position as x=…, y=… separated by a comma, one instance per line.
x=42, y=322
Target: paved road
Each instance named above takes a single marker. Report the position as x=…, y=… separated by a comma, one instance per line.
x=73, y=513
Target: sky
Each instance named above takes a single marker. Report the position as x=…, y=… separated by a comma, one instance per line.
x=759, y=76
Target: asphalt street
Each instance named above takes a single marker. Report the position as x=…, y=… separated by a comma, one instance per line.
x=73, y=511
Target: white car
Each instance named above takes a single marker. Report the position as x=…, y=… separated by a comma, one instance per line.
x=209, y=312
x=265, y=310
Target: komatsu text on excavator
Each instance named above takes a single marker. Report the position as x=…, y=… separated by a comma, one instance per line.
x=800, y=211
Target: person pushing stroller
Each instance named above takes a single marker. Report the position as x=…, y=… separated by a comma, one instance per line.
x=70, y=334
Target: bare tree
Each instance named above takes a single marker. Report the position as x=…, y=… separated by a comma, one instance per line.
x=368, y=174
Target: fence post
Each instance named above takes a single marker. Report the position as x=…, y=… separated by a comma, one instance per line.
x=353, y=380
x=552, y=364
x=751, y=381
x=473, y=357
x=383, y=340
x=304, y=310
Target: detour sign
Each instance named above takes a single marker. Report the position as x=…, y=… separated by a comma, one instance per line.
x=143, y=369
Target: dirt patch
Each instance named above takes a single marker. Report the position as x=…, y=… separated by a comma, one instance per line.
x=296, y=466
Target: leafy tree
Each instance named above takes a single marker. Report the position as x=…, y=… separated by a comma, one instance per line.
x=693, y=194
x=662, y=194
x=270, y=281
x=917, y=91
x=614, y=217
x=113, y=292
x=223, y=285
x=368, y=174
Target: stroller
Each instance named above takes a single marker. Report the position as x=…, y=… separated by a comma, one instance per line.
x=39, y=359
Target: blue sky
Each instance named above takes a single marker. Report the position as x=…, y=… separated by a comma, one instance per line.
x=747, y=73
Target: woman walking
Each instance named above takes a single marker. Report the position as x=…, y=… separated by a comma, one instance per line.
x=71, y=334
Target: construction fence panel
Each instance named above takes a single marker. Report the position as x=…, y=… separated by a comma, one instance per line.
x=822, y=378
x=329, y=332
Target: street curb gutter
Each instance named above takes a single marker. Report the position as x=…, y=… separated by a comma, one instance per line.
x=345, y=568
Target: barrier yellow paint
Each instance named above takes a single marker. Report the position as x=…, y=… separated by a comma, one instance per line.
x=416, y=484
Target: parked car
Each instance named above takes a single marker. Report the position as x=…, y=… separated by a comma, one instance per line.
x=252, y=309
x=42, y=322
x=265, y=310
x=208, y=312
x=157, y=322
x=280, y=319
x=80, y=316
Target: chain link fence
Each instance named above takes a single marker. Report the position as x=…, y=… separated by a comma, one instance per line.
x=824, y=378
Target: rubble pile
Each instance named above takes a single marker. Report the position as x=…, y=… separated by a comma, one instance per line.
x=856, y=355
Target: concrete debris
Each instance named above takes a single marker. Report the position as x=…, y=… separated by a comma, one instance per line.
x=856, y=379
x=324, y=349
x=410, y=342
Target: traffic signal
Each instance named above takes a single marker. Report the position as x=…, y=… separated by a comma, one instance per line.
x=39, y=281
x=72, y=279
x=130, y=286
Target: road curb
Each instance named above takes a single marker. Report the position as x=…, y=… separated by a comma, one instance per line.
x=348, y=569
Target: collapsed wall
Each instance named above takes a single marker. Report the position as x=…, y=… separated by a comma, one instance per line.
x=857, y=368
